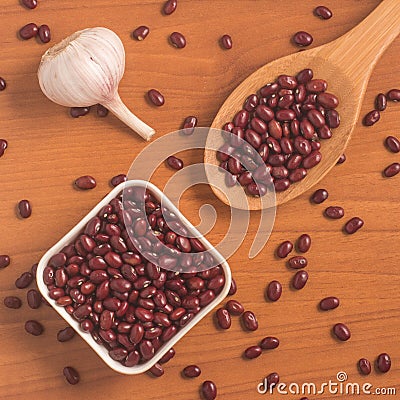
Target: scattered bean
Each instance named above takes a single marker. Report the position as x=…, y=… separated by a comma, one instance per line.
x=341, y=159
x=233, y=288
x=174, y=162
x=12, y=302
x=371, y=118
x=302, y=38
x=274, y=290
x=226, y=42
x=253, y=352
x=297, y=262
x=249, y=321
x=170, y=7
x=304, y=243
x=71, y=375
x=223, y=318
x=85, y=182
x=319, y=196
x=284, y=249
x=66, y=334
x=269, y=343
x=329, y=303
x=141, y=32
x=209, y=390
x=393, y=144
x=117, y=179
x=156, y=97
x=380, y=102
x=393, y=95
x=299, y=280
x=353, y=225
x=44, y=33
x=383, y=362
x=391, y=170
x=323, y=12
x=24, y=208
x=101, y=111
x=177, y=40
x=4, y=261
x=3, y=84
x=189, y=124
x=342, y=332
x=167, y=356
x=30, y=3
x=77, y=112
x=234, y=307
x=24, y=280
x=272, y=379
x=34, y=298
x=334, y=212
x=364, y=366
x=28, y=31
x=191, y=371
x=35, y=328
x=157, y=370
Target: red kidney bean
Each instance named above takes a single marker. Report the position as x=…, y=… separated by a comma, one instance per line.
x=287, y=81
x=64, y=301
x=156, y=97
x=3, y=142
x=364, y=366
x=269, y=343
x=178, y=40
x=24, y=208
x=170, y=6
x=226, y=42
x=157, y=370
x=393, y=144
x=209, y=390
x=371, y=118
x=328, y=100
x=284, y=249
x=307, y=129
x=383, y=362
x=249, y=321
x=31, y=4
x=253, y=352
x=44, y=33
x=169, y=333
x=234, y=307
x=323, y=12
x=189, y=125
x=34, y=298
x=274, y=290
x=294, y=161
x=4, y=261
x=281, y=185
x=117, y=179
x=85, y=182
x=191, y=371
x=319, y=196
x=141, y=32
x=304, y=243
x=393, y=95
x=297, y=262
x=342, y=332
x=334, y=212
x=316, y=118
x=302, y=38
x=285, y=115
x=272, y=379
x=299, y=280
x=28, y=31
x=33, y=327
x=391, y=170
x=101, y=111
x=118, y=354
x=77, y=112
x=304, y=76
x=223, y=318
x=312, y=159
x=71, y=375
x=233, y=288
x=167, y=356
x=329, y=303
x=175, y=162
x=381, y=102
x=24, y=280
x=324, y=132
x=316, y=85
x=57, y=260
x=302, y=145
x=65, y=334
x=12, y=302
x=353, y=225
x=332, y=119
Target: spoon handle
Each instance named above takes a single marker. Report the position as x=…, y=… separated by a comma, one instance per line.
x=357, y=51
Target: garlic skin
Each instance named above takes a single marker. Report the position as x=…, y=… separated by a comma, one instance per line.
x=85, y=69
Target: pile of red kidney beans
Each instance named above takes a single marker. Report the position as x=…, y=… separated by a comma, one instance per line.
x=131, y=306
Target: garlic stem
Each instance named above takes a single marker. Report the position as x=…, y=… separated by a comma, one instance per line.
x=122, y=112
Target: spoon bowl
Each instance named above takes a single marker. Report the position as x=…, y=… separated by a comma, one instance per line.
x=346, y=64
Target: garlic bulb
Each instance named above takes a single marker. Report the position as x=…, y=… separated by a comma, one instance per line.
x=85, y=69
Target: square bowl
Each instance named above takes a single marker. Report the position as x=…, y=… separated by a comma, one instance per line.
x=70, y=237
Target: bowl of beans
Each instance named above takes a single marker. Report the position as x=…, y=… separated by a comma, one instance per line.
x=133, y=277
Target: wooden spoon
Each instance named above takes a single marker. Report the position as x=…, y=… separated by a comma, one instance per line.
x=345, y=63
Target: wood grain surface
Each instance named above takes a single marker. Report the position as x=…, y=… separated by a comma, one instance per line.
x=48, y=150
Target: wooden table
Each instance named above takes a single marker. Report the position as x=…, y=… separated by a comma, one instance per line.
x=48, y=150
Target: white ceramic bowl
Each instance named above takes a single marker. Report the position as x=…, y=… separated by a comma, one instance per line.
x=74, y=232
